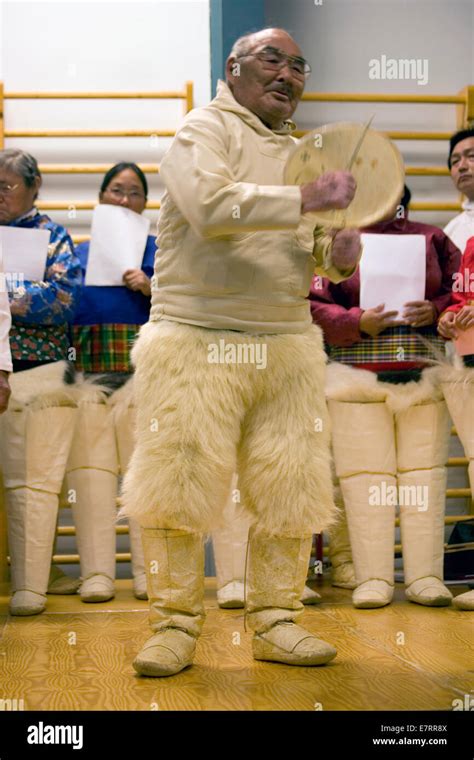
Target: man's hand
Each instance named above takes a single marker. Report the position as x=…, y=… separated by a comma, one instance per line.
x=345, y=250
x=447, y=325
x=4, y=391
x=465, y=317
x=135, y=279
x=419, y=313
x=376, y=320
x=333, y=190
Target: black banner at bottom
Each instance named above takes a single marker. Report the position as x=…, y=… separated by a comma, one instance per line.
x=373, y=734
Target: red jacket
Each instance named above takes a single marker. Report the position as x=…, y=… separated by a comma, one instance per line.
x=463, y=285
x=335, y=307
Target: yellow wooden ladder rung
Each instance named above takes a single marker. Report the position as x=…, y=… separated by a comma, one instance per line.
x=73, y=559
x=70, y=530
x=81, y=205
x=458, y=493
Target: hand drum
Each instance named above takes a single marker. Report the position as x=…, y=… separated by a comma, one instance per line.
x=377, y=168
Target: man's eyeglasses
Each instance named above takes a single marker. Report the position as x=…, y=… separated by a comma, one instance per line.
x=275, y=59
x=7, y=190
x=119, y=193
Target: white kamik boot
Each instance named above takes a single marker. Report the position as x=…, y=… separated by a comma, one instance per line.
x=123, y=414
x=34, y=446
x=460, y=402
x=276, y=574
x=174, y=562
x=92, y=473
x=138, y=559
x=364, y=453
x=230, y=548
x=340, y=553
x=372, y=530
x=464, y=601
x=59, y=583
x=422, y=444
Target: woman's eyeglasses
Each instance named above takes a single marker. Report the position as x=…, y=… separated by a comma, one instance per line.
x=119, y=193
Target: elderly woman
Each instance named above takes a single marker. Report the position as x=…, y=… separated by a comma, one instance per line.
x=37, y=429
x=105, y=325
x=390, y=422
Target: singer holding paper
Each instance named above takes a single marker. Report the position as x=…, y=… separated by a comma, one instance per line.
x=390, y=423
x=44, y=277
x=117, y=266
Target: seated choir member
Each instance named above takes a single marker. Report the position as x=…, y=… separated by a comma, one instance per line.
x=390, y=423
x=37, y=429
x=105, y=325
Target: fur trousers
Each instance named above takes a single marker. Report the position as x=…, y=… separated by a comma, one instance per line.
x=205, y=410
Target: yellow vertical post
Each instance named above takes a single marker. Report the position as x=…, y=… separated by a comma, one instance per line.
x=189, y=105
x=465, y=112
x=1, y=116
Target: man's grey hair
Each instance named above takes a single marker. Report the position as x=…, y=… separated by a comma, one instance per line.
x=243, y=44
x=22, y=163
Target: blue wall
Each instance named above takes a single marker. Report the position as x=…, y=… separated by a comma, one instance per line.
x=231, y=19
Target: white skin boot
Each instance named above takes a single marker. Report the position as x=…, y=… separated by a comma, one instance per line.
x=364, y=453
x=459, y=397
x=464, y=601
x=174, y=562
x=123, y=413
x=92, y=475
x=230, y=549
x=422, y=451
x=34, y=447
x=276, y=573
x=340, y=553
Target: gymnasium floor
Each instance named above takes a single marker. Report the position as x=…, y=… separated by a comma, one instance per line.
x=78, y=657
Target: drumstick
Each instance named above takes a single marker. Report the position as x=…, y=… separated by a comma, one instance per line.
x=359, y=143
x=355, y=153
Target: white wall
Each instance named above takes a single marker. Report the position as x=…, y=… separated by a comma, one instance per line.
x=100, y=45
x=159, y=44
x=340, y=37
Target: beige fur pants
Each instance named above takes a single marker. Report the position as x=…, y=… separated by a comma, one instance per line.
x=200, y=419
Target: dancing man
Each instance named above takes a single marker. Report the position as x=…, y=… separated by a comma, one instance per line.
x=229, y=369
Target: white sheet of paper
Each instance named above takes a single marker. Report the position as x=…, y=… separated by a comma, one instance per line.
x=392, y=270
x=118, y=240
x=24, y=252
